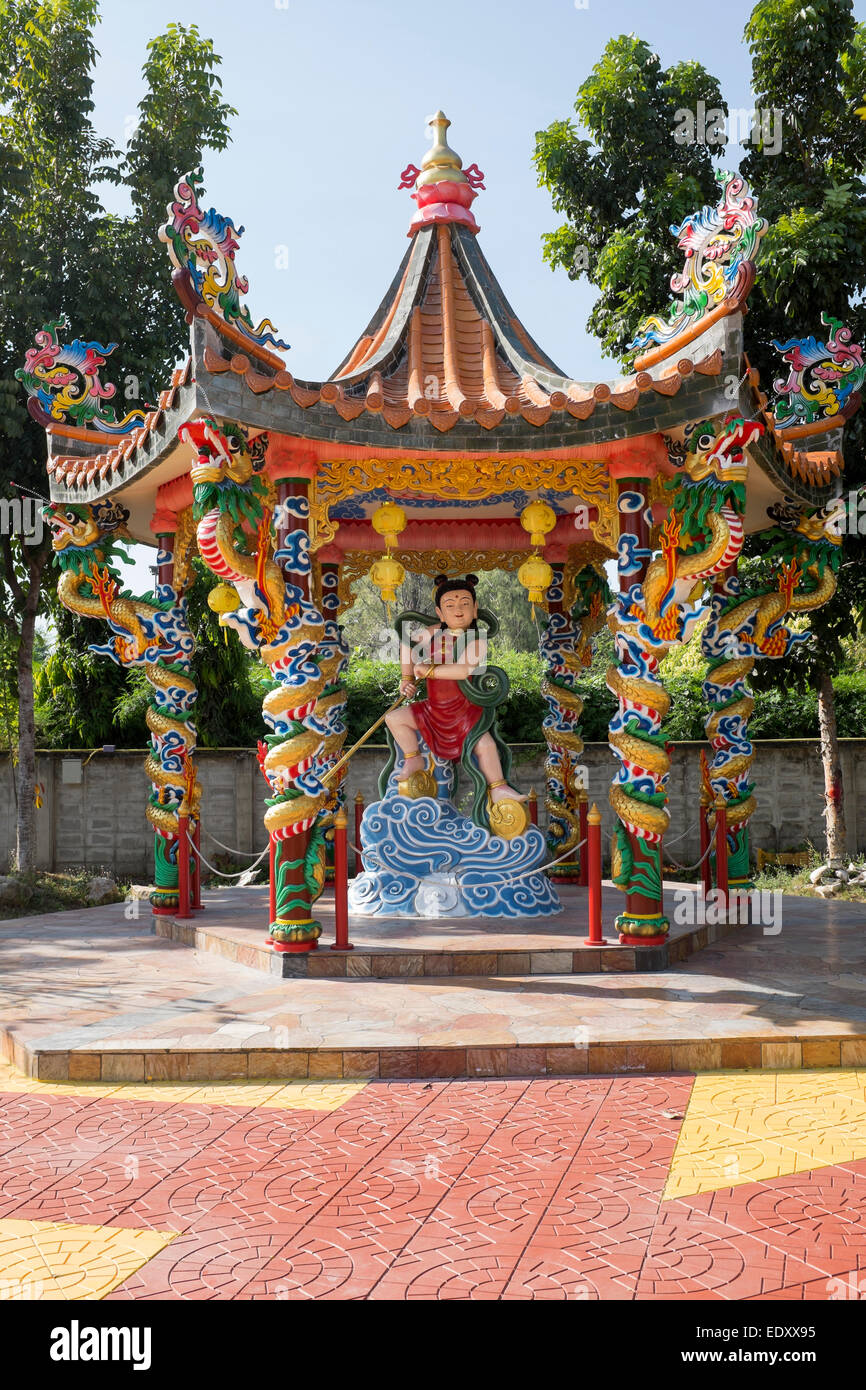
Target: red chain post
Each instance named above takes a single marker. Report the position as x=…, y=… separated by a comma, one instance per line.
x=359, y=816
x=341, y=883
x=183, y=866
x=532, y=801
x=706, y=866
x=722, y=853
x=593, y=847
x=196, y=869
x=583, y=852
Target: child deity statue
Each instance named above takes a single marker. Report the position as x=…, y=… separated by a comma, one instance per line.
x=450, y=651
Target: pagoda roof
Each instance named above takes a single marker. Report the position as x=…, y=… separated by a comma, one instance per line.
x=445, y=351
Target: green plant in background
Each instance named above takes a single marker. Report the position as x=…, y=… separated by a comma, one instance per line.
x=84, y=702
x=62, y=253
x=621, y=186
x=367, y=630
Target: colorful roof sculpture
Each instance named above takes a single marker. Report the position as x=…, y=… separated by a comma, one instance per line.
x=64, y=389
x=721, y=246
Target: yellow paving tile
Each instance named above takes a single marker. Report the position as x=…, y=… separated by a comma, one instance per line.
x=62, y=1260
x=716, y=1092
x=791, y=1086
x=270, y=1095
x=246, y=1093
x=314, y=1095
x=740, y=1129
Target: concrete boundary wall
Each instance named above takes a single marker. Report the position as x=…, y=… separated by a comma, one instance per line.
x=93, y=810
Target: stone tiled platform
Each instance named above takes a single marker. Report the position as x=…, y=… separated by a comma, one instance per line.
x=89, y=996
x=234, y=926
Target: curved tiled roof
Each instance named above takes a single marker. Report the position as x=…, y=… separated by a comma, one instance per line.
x=445, y=345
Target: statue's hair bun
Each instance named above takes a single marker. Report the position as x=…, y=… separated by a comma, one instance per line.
x=441, y=579
x=472, y=579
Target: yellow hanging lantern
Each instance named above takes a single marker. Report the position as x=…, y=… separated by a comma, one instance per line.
x=535, y=575
x=223, y=599
x=537, y=518
x=387, y=574
x=388, y=520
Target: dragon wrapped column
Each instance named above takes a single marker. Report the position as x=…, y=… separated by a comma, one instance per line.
x=660, y=604
x=334, y=658
x=153, y=636
x=745, y=625
x=565, y=651
x=730, y=661
x=233, y=502
x=638, y=794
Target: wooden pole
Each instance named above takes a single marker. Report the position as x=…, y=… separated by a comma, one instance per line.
x=593, y=847
x=341, y=884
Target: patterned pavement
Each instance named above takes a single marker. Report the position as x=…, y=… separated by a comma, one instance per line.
x=728, y=1185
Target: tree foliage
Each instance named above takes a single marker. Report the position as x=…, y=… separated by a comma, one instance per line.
x=623, y=184
x=366, y=627
x=62, y=253
x=84, y=701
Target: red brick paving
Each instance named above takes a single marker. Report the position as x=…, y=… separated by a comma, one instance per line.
x=485, y=1190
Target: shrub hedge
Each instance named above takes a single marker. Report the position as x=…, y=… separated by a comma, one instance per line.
x=372, y=686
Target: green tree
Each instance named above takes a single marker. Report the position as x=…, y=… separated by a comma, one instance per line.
x=63, y=253
x=85, y=701
x=809, y=62
x=622, y=187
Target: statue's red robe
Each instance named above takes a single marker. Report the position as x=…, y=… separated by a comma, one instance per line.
x=445, y=719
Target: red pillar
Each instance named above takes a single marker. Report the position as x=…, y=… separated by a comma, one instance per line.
x=533, y=807
x=183, y=866
x=583, y=852
x=359, y=816
x=196, y=868
x=593, y=847
x=706, y=867
x=341, y=884
x=722, y=852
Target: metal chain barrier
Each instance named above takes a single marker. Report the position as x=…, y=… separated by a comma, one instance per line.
x=244, y=853
x=689, y=868
x=675, y=838
x=218, y=872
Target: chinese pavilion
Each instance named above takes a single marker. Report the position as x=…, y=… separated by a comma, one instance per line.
x=489, y=456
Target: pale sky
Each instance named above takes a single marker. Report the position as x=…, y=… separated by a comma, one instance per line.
x=333, y=96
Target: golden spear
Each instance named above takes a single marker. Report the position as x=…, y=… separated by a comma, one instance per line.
x=401, y=699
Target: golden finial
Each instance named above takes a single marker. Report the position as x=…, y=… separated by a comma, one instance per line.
x=440, y=162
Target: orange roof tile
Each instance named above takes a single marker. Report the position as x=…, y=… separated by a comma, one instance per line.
x=76, y=470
